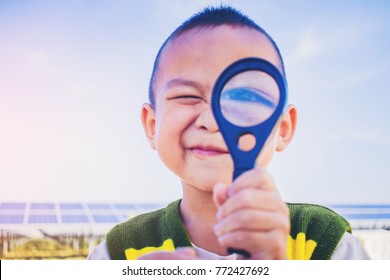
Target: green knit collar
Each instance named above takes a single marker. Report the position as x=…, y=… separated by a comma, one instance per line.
x=175, y=226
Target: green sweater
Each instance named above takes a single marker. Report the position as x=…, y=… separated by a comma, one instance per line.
x=315, y=233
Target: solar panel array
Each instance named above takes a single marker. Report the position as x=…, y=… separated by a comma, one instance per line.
x=363, y=216
x=20, y=213
x=70, y=213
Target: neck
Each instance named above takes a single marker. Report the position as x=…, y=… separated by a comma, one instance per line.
x=198, y=212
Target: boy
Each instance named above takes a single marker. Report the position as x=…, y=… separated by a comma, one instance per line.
x=214, y=213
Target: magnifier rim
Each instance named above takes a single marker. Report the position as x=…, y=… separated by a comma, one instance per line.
x=245, y=160
x=244, y=65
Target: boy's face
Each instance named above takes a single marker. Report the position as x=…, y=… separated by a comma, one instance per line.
x=182, y=128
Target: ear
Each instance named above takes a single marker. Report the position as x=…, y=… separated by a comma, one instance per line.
x=148, y=119
x=287, y=128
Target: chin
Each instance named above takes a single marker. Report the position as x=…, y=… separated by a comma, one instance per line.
x=206, y=185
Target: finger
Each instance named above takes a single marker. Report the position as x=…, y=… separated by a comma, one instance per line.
x=254, y=178
x=254, y=199
x=180, y=254
x=186, y=252
x=253, y=220
x=265, y=245
x=220, y=194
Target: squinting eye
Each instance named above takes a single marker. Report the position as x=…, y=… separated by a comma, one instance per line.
x=188, y=99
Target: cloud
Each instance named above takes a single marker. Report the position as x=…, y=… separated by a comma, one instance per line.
x=315, y=41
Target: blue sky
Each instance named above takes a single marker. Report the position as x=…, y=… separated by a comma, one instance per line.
x=73, y=76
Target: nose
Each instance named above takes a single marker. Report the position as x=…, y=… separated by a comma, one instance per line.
x=206, y=120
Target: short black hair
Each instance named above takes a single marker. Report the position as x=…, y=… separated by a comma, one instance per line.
x=211, y=17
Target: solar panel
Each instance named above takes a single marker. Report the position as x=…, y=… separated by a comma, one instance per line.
x=8, y=205
x=42, y=206
x=12, y=211
x=104, y=212
x=71, y=206
x=360, y=206
x=42, y=219
x=150, y=205
x=98, y=206
x=11, y=219
x=105, y=219
x=126, y=213
x=378, y=216
x=77, y=219
x=124, y=206
x=125, y=217
x=44, y=212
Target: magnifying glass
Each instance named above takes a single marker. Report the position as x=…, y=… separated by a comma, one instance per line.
x=247, y=101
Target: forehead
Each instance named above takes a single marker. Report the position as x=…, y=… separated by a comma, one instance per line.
x=201, y=54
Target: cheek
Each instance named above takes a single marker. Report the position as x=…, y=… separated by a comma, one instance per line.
x=167, y=142
x=267, y=152
x=171, y=123
x=167, y=131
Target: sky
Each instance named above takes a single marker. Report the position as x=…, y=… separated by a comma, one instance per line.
x=74, y=74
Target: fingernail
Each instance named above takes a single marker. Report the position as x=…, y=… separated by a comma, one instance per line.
x=230, y=191
x=219, y=215
x=217, y=229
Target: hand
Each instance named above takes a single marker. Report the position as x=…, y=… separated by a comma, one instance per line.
x=185, y=253
x=252, y=216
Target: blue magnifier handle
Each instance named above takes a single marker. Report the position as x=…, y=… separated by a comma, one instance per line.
x=248, y=98
x=241, y=252
x=244, y=253
x=237, y=173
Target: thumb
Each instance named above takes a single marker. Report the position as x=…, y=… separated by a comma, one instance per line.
x=186, y=251
x=220, y=194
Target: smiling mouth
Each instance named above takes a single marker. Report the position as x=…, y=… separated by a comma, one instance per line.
x=208, y=151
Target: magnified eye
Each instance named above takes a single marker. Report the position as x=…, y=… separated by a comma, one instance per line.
x=249, y=98
x=246, y=94
x=246, y=106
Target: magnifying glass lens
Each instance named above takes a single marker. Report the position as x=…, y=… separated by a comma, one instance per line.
x=249, y=98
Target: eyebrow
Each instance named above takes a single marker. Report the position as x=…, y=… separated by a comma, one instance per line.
x=185, y=82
